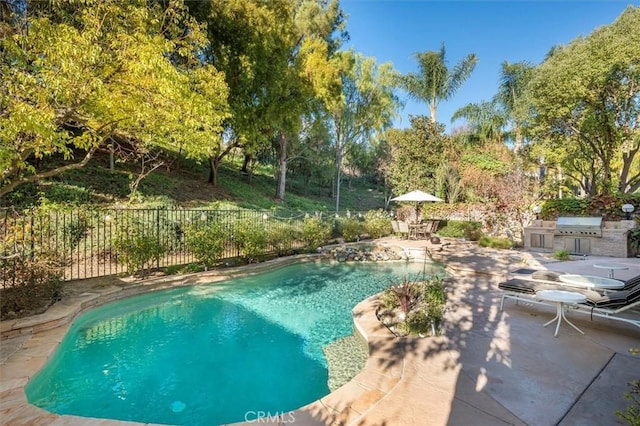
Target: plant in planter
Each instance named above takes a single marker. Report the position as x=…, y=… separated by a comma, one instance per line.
x=413, y=307
x=634, y=238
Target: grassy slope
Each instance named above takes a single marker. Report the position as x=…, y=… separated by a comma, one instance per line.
x=185, y=184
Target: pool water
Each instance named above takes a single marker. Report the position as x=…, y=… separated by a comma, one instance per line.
x=211, y=354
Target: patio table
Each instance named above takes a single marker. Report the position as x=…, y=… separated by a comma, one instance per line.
x=419, y=230
x=591, y=281
x=611, y=267
x=561, y=298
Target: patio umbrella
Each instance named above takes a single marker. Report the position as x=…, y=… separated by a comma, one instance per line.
x=417, y=197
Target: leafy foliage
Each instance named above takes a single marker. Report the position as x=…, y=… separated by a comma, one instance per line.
x=436, y=82
x=461, y=229
x=250, y=239
x=207, y=241
x=377, y=224
x=138, y=245
x=631, y=414
x=351, y=228
x=34, y=284
x=89, y=75
x=281, y=238
x=416, y=154
x=585, y=102
x=495, y=242
x=315, y=232
x=421, y=302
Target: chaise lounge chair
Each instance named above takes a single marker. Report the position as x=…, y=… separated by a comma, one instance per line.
x=613, y=305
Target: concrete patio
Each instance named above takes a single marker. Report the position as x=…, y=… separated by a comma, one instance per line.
x=487, y=368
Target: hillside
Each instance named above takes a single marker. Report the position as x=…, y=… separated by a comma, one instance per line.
x=184, y=183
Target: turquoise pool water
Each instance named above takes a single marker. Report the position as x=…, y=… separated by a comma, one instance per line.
x=211, y=354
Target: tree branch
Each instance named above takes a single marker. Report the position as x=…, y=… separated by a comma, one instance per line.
x=22, y=180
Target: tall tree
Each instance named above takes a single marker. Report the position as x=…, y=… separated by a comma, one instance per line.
x=587, y=95
x=435, y=81
x=274, y=55
x=486, y=121
x=416, y=154
x=367, y=106
x=81, y=74
x=513, y=81
x=314, y=66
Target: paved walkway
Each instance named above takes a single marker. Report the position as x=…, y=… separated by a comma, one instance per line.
x=487, y=368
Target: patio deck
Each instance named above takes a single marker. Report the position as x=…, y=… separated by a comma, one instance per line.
x=487, y=368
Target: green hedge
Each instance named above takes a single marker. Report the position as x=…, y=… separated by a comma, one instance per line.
x=471, y=230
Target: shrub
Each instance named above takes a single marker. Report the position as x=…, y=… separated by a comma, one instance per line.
x=34, y=284
x=472, y=231
x=434, y=297
x=250, y=239
x=281, y=238
x=422, y=302
x=407, y=294
x=137, y=244
x=561, y=255
x=418, y=321
x=206, y=242
x=632, y=413
x=377, y=224
x=351, y=229
x=315, y=232
x=495, y=242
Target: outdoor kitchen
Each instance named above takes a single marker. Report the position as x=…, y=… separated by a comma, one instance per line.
x=580, y=236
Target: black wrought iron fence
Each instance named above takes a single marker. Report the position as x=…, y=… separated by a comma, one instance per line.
x=86, y=243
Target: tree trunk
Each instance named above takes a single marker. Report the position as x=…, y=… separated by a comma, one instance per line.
x=213, y=171
x=282, y=168
x=433, y=108
x=339, y=156
x=112, y=160
x=247, y=167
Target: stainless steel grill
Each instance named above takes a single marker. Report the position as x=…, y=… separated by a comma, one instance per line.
x=579, y=226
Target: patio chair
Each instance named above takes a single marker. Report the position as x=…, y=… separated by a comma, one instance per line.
x=525, y=289
x=631, y=282
x=613, y=304
x=403, y=228
x=396, y=229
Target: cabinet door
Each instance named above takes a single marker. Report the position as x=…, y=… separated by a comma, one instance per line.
x=577, y=245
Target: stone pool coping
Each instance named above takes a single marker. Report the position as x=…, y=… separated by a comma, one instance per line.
x=37, y=337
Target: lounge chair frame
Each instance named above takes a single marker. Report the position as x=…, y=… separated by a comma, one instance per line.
x=592, y=311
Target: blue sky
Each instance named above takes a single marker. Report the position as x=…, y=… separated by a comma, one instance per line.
x=496, y=31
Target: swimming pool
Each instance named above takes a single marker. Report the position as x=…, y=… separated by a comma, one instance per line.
x=211, y=354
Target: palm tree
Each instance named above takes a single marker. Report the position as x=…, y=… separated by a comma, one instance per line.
x=435, y=82
x=486, y=120
x=513, y=80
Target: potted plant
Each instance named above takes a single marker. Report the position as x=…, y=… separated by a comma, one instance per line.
x=634, y=238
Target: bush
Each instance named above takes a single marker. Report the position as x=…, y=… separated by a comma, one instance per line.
x=471, y=231
x=351, y=229
x=206, y=242
x=29, y=286
x=377, y=224
x=495, y=242
x=561, y=255
x=315, y=232
x=281, y=238
x=251, y=240
x=137, y=244
x=632, y=413
x=422, y=302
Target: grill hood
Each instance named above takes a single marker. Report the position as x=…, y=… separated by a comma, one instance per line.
x=579, y=226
